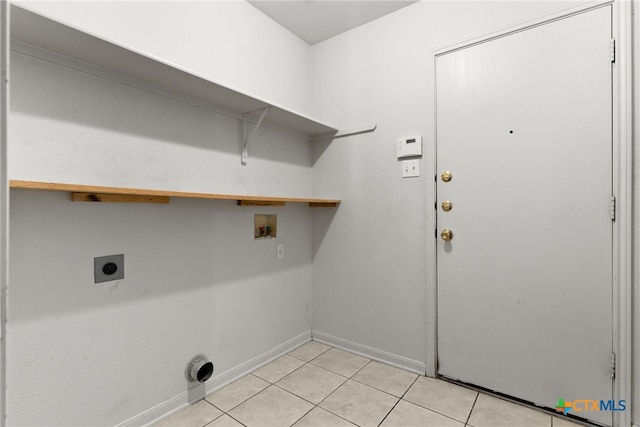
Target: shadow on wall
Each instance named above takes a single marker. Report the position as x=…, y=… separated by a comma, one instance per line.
x=320, y=145
x=169, y=249
x=72, y=99
x=322, y=219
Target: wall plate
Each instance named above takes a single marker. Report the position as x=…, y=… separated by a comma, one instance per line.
x=410, y=168
x=107, y=268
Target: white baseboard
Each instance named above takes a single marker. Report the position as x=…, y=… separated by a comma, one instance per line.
x=371, y=353
x=200, y=391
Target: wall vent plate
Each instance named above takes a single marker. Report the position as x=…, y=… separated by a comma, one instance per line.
x=107, y=268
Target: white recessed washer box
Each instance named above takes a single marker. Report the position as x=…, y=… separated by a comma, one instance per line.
x=410, y=146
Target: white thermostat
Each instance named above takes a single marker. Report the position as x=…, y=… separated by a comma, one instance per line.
x=410, y=147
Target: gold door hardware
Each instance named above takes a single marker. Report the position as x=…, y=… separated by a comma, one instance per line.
x=446, y=176
x=447, y=205
x=446, y=234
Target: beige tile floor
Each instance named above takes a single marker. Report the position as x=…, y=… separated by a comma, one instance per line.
x=317, y=385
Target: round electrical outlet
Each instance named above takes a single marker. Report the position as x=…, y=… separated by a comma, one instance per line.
x=109, y=268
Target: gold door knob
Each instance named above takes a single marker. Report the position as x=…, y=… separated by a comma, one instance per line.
x=447, y=205
x=446, y=176
x=446, y=234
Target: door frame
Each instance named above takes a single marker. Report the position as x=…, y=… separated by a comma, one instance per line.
x=4, y=200
x=623, y=164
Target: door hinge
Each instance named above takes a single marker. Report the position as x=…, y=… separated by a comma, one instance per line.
x=612, y=208
x=613, y=365
x=612, y=50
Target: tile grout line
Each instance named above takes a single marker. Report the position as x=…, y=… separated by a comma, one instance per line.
x=433, y=410
x=305, y=363
x=380, y=390
x=314, y=357
x=303, y=415
x=272, y=384
x=352, y=378
x=466, y=423
x=343, y=383
x=358, y=371
x=237, y=420
x=222, y=414
x=287, y=391
x=267, y=381
x=327, y=396
x=346, y=379
x=317, y=405
x=314, y=405
x=408, y=401
x=253, y=395
x=399, y=399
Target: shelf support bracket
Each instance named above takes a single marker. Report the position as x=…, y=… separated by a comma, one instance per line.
x=246, y=141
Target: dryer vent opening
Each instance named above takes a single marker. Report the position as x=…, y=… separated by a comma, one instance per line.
x=200, y=369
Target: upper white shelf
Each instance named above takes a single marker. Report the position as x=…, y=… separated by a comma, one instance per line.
x=36, y=30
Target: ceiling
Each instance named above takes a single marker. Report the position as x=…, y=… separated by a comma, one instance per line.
x=317, y=20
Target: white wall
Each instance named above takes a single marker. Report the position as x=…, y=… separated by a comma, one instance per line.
x=371, y=260
x=69, y=126
x=195, y=282
x=195, y=279
x=119, y=350
x=228, y=41
x=4, y=203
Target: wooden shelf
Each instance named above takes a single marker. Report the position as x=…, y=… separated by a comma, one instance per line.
x=39, y=31
x=34, y=30
x=93, y=193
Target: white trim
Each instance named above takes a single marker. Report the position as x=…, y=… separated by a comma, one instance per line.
x=4, y=201
x=370, y=352
x=516, y=27
x=635, y=368
x=623, y=188
x=431, y=351
x=199, y=391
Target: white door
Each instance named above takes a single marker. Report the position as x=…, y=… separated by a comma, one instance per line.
x=525, y=284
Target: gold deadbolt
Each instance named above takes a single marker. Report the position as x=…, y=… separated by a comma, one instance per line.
x=446, y=234
x=447, y=205
x=446, y=176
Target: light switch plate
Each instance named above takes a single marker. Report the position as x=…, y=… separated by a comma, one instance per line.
x=280, y=251
x=410, y=168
